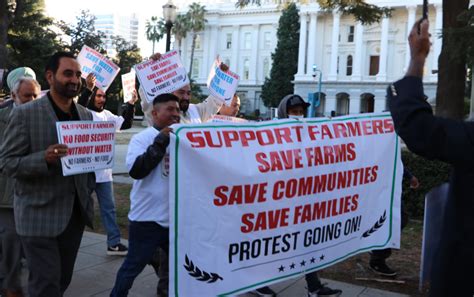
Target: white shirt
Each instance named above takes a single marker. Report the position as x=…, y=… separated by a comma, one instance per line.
x=201, y=112
x=149, y=195
x=105, y=175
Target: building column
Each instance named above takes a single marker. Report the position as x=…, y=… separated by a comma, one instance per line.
x=235, y=48
x=411, y=21
x=336, y=16
x=382, y=75
x=254, y=58
x=184, y=52
x=437, y=37
x=206, y=40
x=359, y=32
x=302, y=45
x=213, y=45
x=311, y=43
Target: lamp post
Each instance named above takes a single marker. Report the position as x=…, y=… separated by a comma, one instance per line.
x=169, y=15
x=315, y=103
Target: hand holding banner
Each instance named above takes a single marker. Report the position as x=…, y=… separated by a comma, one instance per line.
x=92, y=61
x=222, y=84
x=161, y=76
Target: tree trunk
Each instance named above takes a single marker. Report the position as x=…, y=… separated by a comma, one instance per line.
x=192, y=55
x=153, y=48
x=3, y=33
x=452, y=71
x=179, y=47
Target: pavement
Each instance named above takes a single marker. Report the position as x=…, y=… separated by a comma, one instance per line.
x=94, y=275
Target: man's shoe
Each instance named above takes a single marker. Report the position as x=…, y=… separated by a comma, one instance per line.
x=325, y=292
x=382, y=269
x=265, y=292
x=117, y=250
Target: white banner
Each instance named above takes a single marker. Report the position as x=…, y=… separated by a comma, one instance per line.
x=253, y=204
x=92, y=61
x=91, y=145
x=165, y=75
x=222, y=84
x=218, y=118
x=128, y=85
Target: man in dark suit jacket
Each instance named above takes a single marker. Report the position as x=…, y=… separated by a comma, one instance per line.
x=51, y=210
x=448, y=140
x=23, y=90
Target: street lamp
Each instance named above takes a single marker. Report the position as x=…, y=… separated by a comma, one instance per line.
x=169, y=15
x=315, y=101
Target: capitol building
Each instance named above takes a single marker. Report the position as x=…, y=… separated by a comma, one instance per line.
x=356, y=61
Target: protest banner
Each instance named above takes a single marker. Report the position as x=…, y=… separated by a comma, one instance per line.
x=91, y=145
x=165, y=75
x=279, y=199
x=222, y=84
x=128, y=85
x=92, y=61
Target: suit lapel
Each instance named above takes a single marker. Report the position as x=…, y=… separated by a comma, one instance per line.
x=48, y=108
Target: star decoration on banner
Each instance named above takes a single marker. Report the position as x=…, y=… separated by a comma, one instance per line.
x=292, y=266
x=281, y=268
x=321, y=258
x=303, y=263
x=312, y=260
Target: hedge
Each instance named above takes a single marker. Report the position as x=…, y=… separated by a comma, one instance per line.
x=430, y=174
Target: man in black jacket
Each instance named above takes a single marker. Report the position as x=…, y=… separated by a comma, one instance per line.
x=450, y=141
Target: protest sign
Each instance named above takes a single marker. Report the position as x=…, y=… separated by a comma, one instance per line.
x=218, y=118
x=91, y=145
x=165, y=75
x=128, y=85
x=222, y=84
x=92, y=61
x=279, y=199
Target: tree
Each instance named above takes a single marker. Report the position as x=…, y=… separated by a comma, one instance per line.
x=285, y=58
x=197, y=22
x=155, y=30
x=83, y=33
x=362, y=11
x=7, y=12
x=128, y=55
x=456, y=45
x=31, y=41
x=180, y=28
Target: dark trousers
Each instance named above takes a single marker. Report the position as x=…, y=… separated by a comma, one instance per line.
x=313, y=281
x=51, y=259
x=379, y=256
x=143, y=240
x=10, y=265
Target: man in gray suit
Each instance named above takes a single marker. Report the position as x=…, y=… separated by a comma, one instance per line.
x=51, y=210
x=24, y=89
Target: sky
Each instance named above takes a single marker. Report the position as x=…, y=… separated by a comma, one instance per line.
x=68, y=10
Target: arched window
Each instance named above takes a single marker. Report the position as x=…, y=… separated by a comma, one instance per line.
x=349, y=66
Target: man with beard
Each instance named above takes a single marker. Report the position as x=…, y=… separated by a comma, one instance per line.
x=51, y=210
x=95, y=100
x=190, y=113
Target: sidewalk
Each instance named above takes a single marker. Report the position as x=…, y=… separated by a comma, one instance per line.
x=94, y=275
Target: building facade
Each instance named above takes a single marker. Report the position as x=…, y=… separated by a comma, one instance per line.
x=356, y=61
x=117, y=25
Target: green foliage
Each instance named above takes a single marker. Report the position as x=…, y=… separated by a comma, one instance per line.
x=362, y=11
x=429, y=173
x=155, y=30
x=128, y=55
x=197, y=95
x=460, y=41
x=83, y=33
x=285, y=58
x=30, y=40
